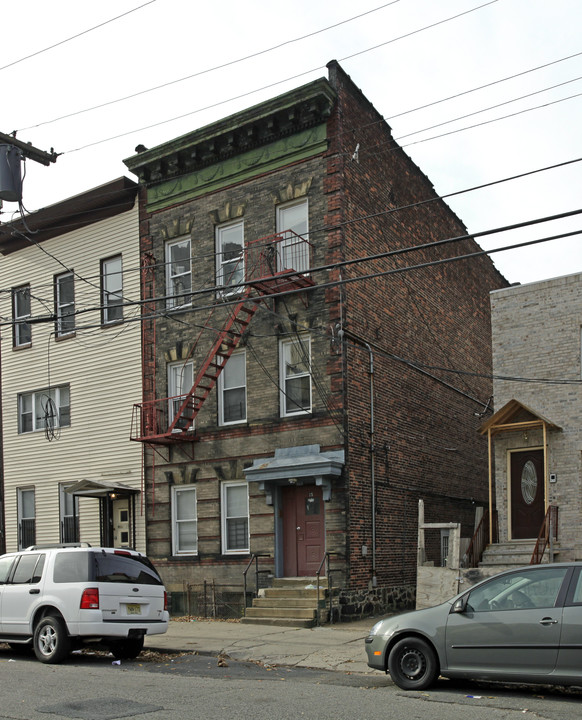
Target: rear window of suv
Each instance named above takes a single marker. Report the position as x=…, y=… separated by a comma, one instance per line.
x=104, y=567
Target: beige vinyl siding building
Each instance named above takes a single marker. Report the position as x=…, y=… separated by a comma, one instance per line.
x=87, y=363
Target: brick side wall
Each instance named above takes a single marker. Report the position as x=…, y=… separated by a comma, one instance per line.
x=426, y=443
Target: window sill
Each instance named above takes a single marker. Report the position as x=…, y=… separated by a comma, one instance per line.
x=65, y=336
x=24, y=346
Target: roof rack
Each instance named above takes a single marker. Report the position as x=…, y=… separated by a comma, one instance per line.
x=48, y=546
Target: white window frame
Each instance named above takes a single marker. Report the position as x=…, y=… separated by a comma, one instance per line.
x=22, y=335
x=285, y=346
x=112, y=290
x=225, y=386
x=180, y=381
x=293, y=254
x=225, y=277
x=177, y=491
x=226, y=517
x=65, y=309
x=175, y=276
x=22, y=516
x=64, y=498
x=33, y=404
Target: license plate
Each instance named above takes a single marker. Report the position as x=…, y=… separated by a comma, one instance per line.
x=133, y=609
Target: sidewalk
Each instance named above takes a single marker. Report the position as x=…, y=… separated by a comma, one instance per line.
x=330, y=647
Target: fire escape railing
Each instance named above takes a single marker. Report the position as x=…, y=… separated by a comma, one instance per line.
x=548, y=533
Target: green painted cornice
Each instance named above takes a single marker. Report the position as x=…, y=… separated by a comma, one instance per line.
x=285, y=128
x=238, y=168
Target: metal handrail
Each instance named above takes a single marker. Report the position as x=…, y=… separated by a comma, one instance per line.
x=325, y=561
x=254, y=558
x=474, y=552
x=548, y=533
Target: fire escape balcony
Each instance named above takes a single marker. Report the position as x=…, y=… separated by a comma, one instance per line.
x=275, y=264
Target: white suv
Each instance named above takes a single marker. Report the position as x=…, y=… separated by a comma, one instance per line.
x=59, y=597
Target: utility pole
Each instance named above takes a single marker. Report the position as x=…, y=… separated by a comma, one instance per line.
x=11, y=153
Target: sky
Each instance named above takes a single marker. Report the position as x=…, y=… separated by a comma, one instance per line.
x=475, y=91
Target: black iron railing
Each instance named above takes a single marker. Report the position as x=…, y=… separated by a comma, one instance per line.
x=254, y=559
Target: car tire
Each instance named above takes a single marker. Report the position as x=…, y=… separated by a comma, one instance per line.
x=412, y=664
x=126, y=649
x=51, y=642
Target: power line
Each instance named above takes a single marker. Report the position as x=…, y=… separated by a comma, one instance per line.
x=212, y=69
x=278, y=82
x=74, y=37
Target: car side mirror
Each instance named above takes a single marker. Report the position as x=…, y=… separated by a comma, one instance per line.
x=460, y=605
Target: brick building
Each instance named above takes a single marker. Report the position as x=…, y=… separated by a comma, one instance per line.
x=535, y=433
x=295, y=401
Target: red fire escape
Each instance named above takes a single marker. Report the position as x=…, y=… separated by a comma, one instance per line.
x=274, y=264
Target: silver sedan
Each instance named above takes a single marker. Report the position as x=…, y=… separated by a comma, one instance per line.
x=522, y=625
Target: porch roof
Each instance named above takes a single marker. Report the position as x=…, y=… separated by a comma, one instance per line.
x=93, y=488
x=515, y=416
x=298, y=462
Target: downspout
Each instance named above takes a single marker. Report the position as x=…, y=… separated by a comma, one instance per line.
x=372, y=464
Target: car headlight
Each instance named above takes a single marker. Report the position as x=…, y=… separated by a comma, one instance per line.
x=377, y=629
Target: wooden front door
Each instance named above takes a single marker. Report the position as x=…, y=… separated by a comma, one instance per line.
x=303, y=530
x=527, y=493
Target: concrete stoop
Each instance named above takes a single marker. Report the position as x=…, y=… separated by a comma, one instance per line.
x=291, y=602
x=515, y=553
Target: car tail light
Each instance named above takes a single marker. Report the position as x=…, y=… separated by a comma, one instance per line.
x=90, y=599
x=165, y=600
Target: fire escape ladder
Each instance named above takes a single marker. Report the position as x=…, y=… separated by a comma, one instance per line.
x=226, y=343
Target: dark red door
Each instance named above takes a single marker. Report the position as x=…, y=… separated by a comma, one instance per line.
x=527, y=494
x=303, y=530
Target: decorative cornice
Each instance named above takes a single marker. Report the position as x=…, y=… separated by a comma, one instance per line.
x=244, y=135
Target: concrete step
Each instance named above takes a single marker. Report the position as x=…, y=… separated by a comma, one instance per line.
x=298, y=593
x=278, y=622
x=300, y=583
x=511, y=554
x=288, y=602
x=281, y=612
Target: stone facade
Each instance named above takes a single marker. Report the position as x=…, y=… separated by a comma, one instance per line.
x=536, y=361
x=386, y=427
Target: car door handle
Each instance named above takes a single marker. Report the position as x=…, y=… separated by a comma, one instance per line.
x=35, y=591
x=548, y=621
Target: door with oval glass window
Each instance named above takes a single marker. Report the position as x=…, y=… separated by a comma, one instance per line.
x=527, y=494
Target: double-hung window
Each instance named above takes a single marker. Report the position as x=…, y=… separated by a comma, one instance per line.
x=184, y=520
x=295, y=376
x=44, y=408
x=293, y=227
x=180, y=381
x=235, y=517
x=111, y=290
x=230, y=256
x=232, y=390
x=26, y=518
x=65, y=304
x=178, y=273
x=22, y=334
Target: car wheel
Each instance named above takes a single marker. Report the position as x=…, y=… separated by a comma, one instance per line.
x=51, y=642
x=126, y=649
x=412, y=664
